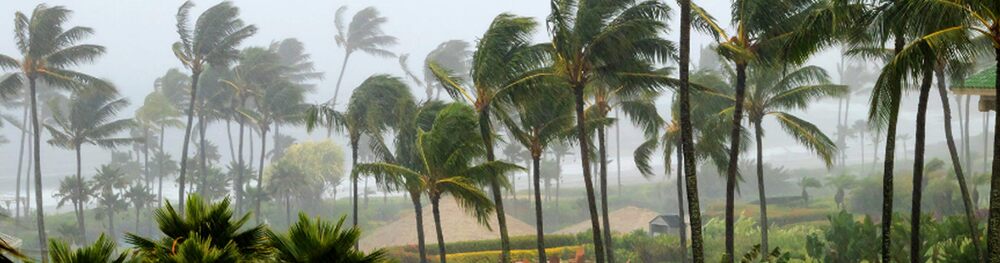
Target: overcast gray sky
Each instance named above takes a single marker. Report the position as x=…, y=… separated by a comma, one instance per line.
x=138, y=35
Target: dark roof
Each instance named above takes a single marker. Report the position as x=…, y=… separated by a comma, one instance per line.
x=671, y=220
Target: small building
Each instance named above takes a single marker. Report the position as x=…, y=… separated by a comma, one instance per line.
x=665, y=224
x=981, y=84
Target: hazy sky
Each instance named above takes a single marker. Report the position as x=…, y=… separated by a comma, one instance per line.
x=138, y=35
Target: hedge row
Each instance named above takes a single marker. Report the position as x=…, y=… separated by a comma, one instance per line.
x=529, y=255
x=516, y=243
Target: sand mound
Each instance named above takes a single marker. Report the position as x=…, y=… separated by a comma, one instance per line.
x=455, y=222
x=623, y=220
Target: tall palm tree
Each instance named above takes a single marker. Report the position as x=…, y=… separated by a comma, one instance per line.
x=686, y=146
x=103, y=250
x=208, y=224
x=980, y=18
x=540, y=121
x=157, y=113
x=212, y=41
x=363, y=33
x=88, y=119
x=139, y=196
x=504, y=59
x=106, y=186
x=48, y=51
x=320, y=241
x=773, y=92
x=448, y=153
x=598, y=42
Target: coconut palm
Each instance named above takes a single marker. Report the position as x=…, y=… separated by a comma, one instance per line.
x=604, y=42
x=49, y=49
x=212, y=41
x=448, y=152
x=773, y=92
x=157, y=113
x=103, y=250
x=139, y=197
x=539, y=121
x=106, y=186
x=88, y=119
x=806, y=183
x=69, y=192
x=286, y=181
x=453, y=55
x=363, y=33
x=209, y=225
x=504, y=59
x=315, y=240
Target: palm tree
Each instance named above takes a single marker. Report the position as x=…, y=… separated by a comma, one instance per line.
x=107, y=182
x=212, y=43
x=139, y=196
x=772, y=92
x=156, y=112
x=69, y=191
x=592, y=45
x=88, y=119
x=540, y=121
x=841, y=183
x=448, y=152
x=48, y=50
x=209, y=225
x=453, y=55
x=806, y=183
x=103, y=250
x=504, y=59
x=686, y=146
x=165, y=166
x=285, y=181
x=320, y=241
x=364, y=34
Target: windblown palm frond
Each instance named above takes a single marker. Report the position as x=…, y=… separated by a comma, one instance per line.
x=320, y=241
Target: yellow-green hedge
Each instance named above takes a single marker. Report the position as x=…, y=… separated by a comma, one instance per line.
x=531, y=255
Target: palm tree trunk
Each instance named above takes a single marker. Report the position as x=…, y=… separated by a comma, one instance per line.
x=918, y=162
x=238, y=182
x=160, y=174
x=539, y=225
x=758, y=135
x=582, y=136
x=418, y=211
x=437, y=226
x=993, y=234
x=680, y=201
x=288, y=210
x=27, y=178
x=137, y=219
x=687, y=135
x=145, y=153
x=187, y=138
x=618, y=152
x=203, y=162
x=229, y=136
x=966, y=140
x=354, y=184
x=603, y=165
x=260, y=174
x=957, y=163
x=37, y=146
x=558, y=182
x=889, y=165
x=111, y=222
x=79, y=192
x=486, y=133
x=340, y=78
x=734, y=157
x=20, y=162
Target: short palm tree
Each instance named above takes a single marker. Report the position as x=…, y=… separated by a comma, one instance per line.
x=806, y=183
x=448, y=153
x=363, y=33
x=211, y=42
x=88, y=119
x=103, y=250
x=538, y=122
x=69, y=192
x=206, y=224
x=503, y=61
x=320, y=241
x=139, y=197
x=106, y=186
x=600, y=42
x=286, y=181
x=771, y=92
x=49, y=50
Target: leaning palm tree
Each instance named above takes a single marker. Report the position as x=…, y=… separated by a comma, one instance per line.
x=320, y=241
x=772, y=92
x=103, y=250
x=211, y=42
x=364, y=33
x=48, y=50
x=504, y=60
x=539, y=121
x=88, y=119
x=207, y=224
x=448, y=153
x=599, y=43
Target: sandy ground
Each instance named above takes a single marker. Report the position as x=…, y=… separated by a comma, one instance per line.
x=456, y=224
x=623, y=220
